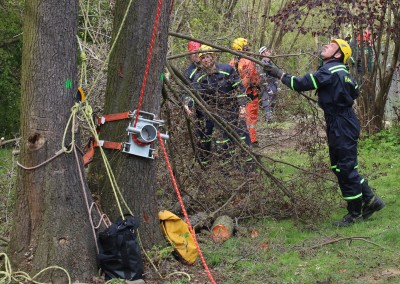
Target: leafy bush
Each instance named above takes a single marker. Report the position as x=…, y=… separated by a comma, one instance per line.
x=10, y=62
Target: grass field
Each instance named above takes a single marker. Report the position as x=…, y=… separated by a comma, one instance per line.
x=272, y=251
x=367, y=252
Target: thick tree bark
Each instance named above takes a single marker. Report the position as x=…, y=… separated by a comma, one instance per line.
x=134, y=175
x=51, y=225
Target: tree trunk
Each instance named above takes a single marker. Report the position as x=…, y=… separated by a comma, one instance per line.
x=134, y=175
x=265, y=14
x=51, y=225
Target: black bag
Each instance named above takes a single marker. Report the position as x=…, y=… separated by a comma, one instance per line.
x=119, y=252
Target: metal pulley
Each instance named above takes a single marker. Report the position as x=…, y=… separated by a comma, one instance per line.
x=142, y=136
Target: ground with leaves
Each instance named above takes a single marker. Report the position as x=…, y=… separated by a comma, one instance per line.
x=278, y=249
x=266, y=249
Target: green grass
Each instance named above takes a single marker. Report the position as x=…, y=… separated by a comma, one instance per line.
x=282, y=253
x=285, y=253
x=7, y=178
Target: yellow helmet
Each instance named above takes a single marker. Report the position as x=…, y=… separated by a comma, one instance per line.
x=239, y=43
x=205, y=49
x=344, y=47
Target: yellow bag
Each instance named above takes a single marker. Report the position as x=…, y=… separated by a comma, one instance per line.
x=177, y=233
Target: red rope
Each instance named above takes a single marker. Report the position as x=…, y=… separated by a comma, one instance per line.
x=183, y=208
x=146, y=72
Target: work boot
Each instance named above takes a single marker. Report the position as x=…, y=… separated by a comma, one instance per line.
x=354, y=208
x=369, y=208
x=347, y=220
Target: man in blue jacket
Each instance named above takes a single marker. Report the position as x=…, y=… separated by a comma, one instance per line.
x=337, y=91
x=220, y=87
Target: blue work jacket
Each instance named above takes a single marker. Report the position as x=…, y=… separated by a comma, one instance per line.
x=221, y=88
x=336, y=89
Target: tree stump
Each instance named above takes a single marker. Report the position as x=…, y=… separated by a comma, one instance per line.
x=222, y=229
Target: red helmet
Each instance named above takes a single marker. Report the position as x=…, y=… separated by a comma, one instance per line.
x=193, y=45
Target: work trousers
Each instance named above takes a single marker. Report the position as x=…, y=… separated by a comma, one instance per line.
x=251, y=119
x=205, y=129
x=343, y=131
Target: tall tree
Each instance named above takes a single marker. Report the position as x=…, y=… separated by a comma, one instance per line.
x=135, y=176
x=51, y=225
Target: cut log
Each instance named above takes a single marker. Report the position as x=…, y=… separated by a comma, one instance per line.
x=222, y=229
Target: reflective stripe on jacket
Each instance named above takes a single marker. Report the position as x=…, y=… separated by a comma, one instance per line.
x=223, y=85
x=336, y=89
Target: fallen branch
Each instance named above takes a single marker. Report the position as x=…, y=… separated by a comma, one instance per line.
x=212, y=215
x=4, y=142
x=241, y=54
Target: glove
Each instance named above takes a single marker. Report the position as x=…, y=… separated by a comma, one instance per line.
x=273, y=71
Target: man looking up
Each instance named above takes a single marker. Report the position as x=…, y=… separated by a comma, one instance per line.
x=337, y=91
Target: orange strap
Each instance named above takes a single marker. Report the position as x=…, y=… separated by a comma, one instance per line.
x=87, y=158
x=111, y=117
x=112, y=145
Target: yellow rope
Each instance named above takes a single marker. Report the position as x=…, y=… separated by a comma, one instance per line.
x=87, y=111
x=112, y=48
x=8, y=276
x=86, y=21
x=83, y=64
x=74, y=111
x=88, y=114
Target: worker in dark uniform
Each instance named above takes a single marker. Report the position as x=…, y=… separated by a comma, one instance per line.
x=337, y=91
x=220, y=87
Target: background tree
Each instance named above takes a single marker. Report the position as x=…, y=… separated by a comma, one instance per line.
x=51, y=225
x=378, y=57
x=134, y=175
x=10, y=66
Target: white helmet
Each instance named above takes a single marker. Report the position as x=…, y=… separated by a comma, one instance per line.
x=262, y=49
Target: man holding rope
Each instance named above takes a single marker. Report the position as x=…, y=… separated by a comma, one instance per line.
x=337, y=91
